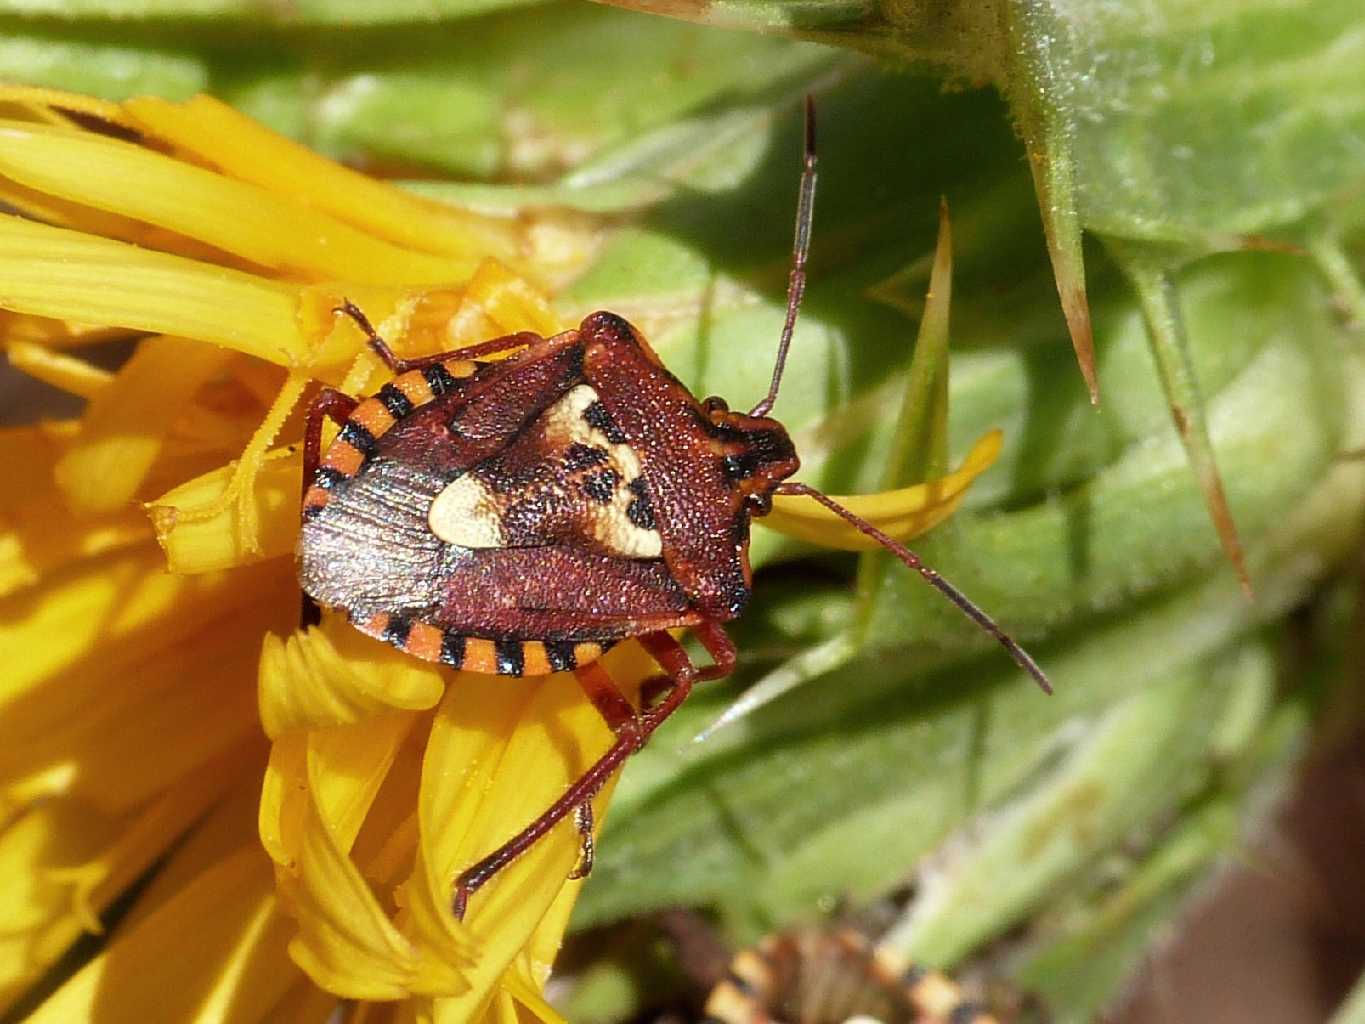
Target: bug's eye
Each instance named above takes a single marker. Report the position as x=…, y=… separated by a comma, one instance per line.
x=760, y=503
x=715, y=404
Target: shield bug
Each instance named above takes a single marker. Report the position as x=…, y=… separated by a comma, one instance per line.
x=519, y=517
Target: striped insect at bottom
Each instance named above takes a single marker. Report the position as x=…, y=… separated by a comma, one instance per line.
x=830, y=976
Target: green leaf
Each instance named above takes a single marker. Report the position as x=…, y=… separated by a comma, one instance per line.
x=1078, y=973
x=1100, y=932
x=85, y=62
x=1147, y=755
x=338, y=12
x=433, y=86
x=1278, y=426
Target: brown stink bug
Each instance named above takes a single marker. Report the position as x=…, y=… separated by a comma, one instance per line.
x=519, y=517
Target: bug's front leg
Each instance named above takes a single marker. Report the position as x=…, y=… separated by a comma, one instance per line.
x=631, y=729
x=328, y=403
x=670, y=656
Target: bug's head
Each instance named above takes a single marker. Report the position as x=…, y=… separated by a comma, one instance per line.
x=756, y=452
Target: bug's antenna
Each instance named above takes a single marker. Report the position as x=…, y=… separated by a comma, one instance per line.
x=963, y=602
x=796, y=280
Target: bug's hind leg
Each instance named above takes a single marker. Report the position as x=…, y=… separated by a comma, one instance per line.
x=631, y=728
x=338, y=406
x=381, y=348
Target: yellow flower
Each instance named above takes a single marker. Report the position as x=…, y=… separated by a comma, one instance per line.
x=299, y=802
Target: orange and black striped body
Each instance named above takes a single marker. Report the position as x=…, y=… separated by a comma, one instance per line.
x=480, y=654
x=373, y=417
x=829, y=976
x=520, y=517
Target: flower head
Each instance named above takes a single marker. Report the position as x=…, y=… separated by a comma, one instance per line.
x=306, y=797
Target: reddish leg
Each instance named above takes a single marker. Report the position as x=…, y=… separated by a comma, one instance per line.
x=382, y=350
x=631, y=731
x=337, y=405
x=329, y=403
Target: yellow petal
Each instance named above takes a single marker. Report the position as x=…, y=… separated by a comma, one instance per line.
x=496, y=302
x=62, y=213
x=41, y=330
x=228, y=825
x=359, y=758
x=37, y=98
x=125, y=429
x=37, y=922
x=234, y=216
x=901, y=514
x=66, y=862
x=305, y=1003
x=346, y=941
x=232, y=513
x=199, y=544
x=213, y=954
x=38, y=534
x=121, y=605
x=114, y=735
x=248, y=150
x=333, y=675
x=72, y=375
x=500, y=752
x=65, y=274
x=518, y=983
x=108, y=670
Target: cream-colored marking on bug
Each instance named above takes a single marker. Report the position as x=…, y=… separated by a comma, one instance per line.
x=612, y=528
x=466, y=513
x=608, y=522
x=565, y=424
